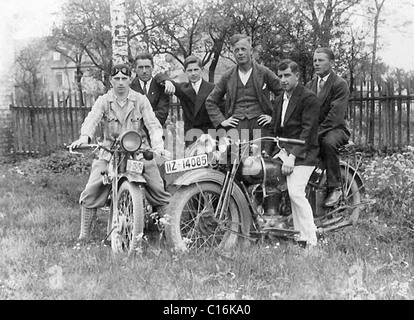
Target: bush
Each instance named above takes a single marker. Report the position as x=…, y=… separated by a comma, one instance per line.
x=390, y=182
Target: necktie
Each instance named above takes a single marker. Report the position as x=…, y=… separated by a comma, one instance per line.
x=195, y=88
x=320, y=85
x=145, y=88
x=284, y=108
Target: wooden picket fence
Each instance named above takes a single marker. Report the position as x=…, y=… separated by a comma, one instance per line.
x=380, y=118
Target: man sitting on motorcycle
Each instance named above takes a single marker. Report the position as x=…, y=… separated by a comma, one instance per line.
x=121, y=109
x=296, y=117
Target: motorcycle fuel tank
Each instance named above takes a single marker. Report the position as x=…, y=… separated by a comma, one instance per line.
x=258, y=170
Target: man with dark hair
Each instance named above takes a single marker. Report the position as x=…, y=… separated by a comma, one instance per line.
x=192, y=95
x=246, y=88
x=155, y=92
x=296, y=117
x=333, y=95
x=121, y=110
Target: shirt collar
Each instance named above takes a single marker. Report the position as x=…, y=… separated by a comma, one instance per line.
x=112, y=96
x=247, y=74
x=325, y=78
x=148, y=83
x=196, y=84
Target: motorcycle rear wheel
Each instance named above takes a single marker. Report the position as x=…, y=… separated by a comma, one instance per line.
x=194, y=226
x=347, y=211
x=128, y=221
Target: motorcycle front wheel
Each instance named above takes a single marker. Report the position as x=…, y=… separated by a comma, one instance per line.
x=194, y=224
x=128, y=219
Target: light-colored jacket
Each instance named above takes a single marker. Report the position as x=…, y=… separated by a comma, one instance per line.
x=116, y=120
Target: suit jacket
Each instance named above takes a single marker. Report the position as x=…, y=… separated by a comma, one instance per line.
x=264, y=81
x=334, y=99
x=194, y=105
x=160, y=101
x=300, y=122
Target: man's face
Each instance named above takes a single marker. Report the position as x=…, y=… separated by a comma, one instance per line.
x=242, y=52
x=193, y=72
x=144, y=69
x=288, y=79
x=322, y=64
x=120, y=83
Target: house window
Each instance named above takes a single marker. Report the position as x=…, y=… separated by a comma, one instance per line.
x=56, y=56
x=59, y=78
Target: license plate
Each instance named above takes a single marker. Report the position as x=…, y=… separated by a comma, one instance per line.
x=185, y=164
x=135, y=166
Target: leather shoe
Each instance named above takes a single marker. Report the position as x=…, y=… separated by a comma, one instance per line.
x=333, y=197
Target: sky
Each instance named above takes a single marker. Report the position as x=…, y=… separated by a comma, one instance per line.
x=35, y=18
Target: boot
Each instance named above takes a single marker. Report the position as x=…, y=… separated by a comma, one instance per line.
x=333, y=198
x=88, y=217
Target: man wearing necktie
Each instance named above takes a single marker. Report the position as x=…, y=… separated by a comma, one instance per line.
x=192, y=95
x=296, y=116
x=145, y=84
x=333, y=94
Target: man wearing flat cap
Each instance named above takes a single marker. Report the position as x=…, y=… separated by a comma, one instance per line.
x=121, y=109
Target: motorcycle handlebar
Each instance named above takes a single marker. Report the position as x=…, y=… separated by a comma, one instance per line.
x=280, y=139
x=148, y=154
x=292, y=141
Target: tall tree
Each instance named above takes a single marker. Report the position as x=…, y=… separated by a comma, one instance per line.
x=29, y=64
x=377, y=12
x=324, y=16
x=86, y=24
x=67, y=45
x=119, y=32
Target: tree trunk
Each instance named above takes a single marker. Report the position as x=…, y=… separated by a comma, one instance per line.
x=378, y=7
x=217, y=48
x=119, y=32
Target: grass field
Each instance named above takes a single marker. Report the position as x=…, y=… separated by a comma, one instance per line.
x=39, y=257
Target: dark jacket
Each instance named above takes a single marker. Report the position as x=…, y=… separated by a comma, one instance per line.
x=334, y=99
x=301, y=122
x=160, y=101
x=194, y=105
x=264, y=81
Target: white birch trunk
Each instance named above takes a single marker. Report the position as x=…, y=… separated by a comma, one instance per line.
x=119, y=32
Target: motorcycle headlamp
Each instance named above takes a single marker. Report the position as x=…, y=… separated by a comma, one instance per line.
x=130, y=141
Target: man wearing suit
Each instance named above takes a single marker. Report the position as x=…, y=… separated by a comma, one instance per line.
x=296, y=117
x=333, y=95
x=246, y=88
x=145, y=84
x=193, y=96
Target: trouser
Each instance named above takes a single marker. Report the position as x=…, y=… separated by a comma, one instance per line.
x=301, y=208
x=329, y=144
x=96, y=193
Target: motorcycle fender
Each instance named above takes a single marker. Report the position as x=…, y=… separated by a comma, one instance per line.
x=358, y=178
x=210, y=175
x=133, y=177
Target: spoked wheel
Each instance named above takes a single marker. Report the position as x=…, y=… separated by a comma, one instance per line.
x=128, y=220
x=194, y=225
x=347, y=211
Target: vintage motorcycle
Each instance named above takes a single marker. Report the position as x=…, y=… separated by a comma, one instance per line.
x=217, y=203
x=129, y=211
